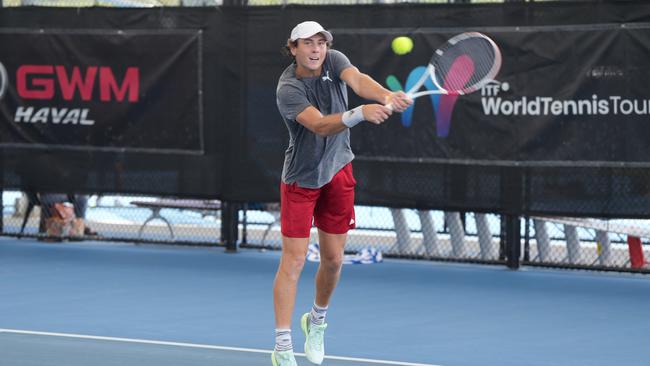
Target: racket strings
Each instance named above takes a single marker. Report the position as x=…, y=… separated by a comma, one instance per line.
x=465, y=64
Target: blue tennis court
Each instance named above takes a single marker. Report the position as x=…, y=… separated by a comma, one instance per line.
x=122, y=304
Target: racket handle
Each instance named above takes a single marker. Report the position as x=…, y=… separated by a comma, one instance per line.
x=389, y=106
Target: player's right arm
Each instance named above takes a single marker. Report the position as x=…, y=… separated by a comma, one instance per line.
x=294, y=105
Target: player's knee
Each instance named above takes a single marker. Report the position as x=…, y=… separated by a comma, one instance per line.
x=292, y=265
x=332, y=262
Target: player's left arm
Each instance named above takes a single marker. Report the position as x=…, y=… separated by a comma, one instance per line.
x=366, y=87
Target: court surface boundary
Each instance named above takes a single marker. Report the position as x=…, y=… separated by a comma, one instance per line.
x=201, y=346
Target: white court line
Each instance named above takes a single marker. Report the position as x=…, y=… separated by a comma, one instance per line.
x=202, y=346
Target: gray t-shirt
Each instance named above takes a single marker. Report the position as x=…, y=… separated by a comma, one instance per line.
x=311, y=160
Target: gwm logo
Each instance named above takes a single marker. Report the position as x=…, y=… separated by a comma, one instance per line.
x=76, y=84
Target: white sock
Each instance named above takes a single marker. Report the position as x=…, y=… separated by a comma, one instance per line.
x=317, y=314
x=283, y=340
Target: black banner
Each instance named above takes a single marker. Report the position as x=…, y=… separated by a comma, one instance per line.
x=572, y=93
x=87, y=89
x=558, y=132
x=165, y=134
x=561, y=130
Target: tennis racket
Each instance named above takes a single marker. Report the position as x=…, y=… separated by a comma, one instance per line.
x=463, y=65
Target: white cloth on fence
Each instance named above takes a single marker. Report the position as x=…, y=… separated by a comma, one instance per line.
x=367, y=255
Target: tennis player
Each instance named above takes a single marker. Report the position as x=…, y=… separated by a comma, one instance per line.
x=317, y=181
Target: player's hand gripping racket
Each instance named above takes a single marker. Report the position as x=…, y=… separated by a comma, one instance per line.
x=461, y=66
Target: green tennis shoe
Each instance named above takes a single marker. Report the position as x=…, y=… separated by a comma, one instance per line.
x=315, y=343
x=283, y=358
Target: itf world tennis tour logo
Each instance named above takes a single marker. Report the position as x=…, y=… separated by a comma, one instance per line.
x=498, y=99
x=466, y=63
x=443, y=105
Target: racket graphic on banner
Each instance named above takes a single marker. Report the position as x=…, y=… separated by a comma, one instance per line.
x=463, y=65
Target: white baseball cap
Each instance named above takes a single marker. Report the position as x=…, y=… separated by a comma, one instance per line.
x=308, y=29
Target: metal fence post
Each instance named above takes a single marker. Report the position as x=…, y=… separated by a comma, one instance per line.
x=229, y=225
x=512, y=240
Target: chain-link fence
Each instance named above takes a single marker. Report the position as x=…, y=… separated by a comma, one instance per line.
x=478, y=237
x=585, y=242
x=424, y=234
x=126, y=218
x=399, y=232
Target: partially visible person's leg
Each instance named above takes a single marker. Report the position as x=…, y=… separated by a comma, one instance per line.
x=49, y=199
x=80, y=208
x=47, y=203
x=80, y=205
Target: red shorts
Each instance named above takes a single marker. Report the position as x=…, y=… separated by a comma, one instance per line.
x=331, y=206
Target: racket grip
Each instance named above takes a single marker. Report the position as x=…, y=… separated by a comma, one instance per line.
x=390, y=105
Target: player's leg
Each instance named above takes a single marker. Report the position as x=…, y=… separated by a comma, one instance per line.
x=334, y=216
x=297, y=207
x=332, y=247
x=292, y=260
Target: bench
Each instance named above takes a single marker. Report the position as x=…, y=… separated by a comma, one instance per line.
x=272, y=208
x=181, y=204
x=602, y=227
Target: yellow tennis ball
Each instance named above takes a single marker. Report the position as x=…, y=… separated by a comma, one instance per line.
x=402, y=45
